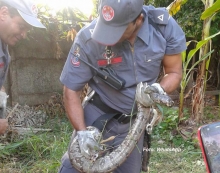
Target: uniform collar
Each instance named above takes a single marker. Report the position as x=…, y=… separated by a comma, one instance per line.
x=144, y=31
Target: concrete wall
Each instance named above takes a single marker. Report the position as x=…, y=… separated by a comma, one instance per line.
x=34, y=71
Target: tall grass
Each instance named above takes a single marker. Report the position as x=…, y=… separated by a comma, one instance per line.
x=37, y=152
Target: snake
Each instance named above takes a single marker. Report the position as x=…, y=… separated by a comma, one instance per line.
x=116, y=157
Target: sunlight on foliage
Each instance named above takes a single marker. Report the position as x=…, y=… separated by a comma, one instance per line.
x=71, y=34
x=175, y=6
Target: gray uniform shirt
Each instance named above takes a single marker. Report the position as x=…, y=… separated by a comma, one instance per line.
x=140, y=63
x=4, y=62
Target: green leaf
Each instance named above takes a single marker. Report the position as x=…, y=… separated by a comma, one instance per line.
x=198, y=46
x=13, y=145
x=208, y=38
x=183, y=56
x=211, y=10
x=200, y=60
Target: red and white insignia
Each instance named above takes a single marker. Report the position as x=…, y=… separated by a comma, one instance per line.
x=105, y=56
x=112, y=60
x=108, y=13
x=34, y=9
x=104, y=62
x=75, y=58
x=75, y=61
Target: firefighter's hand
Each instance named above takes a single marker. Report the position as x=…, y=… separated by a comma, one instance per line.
x=145, y=93
x=88, y=143
x=154, y=88
x=142, y=97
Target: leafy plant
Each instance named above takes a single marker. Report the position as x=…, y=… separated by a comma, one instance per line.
x=188, y=68
x=169, y=123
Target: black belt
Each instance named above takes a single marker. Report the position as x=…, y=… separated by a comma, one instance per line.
x=124, y=118
x=110, y=112
x=96, y=100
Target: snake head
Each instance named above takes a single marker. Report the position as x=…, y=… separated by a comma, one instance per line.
x=162, y=99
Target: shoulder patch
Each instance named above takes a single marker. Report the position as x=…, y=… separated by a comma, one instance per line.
x=75, y=57
x=159, y=16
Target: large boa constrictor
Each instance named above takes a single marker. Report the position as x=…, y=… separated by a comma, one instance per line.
x=114, y=159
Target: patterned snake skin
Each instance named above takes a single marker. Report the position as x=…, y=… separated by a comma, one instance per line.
x=115, y=158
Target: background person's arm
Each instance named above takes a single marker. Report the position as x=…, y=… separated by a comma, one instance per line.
x=3, y=125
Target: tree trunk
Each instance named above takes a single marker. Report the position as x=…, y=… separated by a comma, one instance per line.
x=199, y=88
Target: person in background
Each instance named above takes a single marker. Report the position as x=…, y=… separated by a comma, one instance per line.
x=17, y=17
x=130, y=40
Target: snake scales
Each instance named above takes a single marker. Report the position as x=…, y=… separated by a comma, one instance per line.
x=115, y=158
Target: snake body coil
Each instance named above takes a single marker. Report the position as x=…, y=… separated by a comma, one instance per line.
x=114, y=159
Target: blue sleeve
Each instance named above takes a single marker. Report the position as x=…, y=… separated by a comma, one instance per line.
x=175, y=37
x=76, y=73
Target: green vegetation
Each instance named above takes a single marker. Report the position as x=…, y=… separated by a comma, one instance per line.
x=42, y=152
x=167, y=158
x=170, y=153
x=37, y=152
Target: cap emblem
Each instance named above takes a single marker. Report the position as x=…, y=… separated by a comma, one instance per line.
x=108, y=13
x=34, y=9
